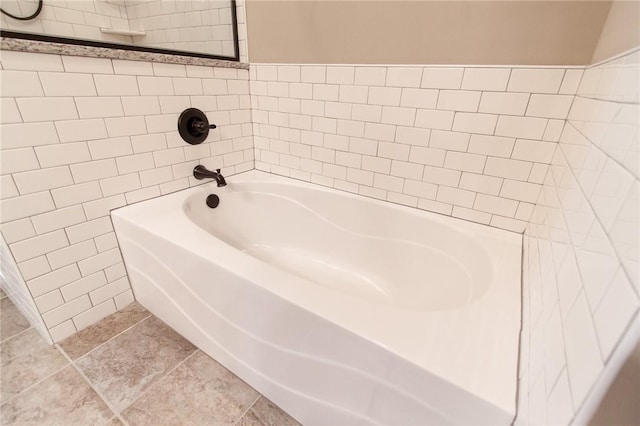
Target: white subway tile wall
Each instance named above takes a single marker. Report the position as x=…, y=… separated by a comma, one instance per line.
x=581, y=273
x=94, y=135
x=440, y=139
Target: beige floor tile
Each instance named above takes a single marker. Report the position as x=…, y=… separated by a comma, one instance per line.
x=26, y=359
x=266, y=413
x=12, y=321
x=95, y=335
x=2, y=294
x=199, y=392
x=114, y=422
x=63, y=399
x=127, y=365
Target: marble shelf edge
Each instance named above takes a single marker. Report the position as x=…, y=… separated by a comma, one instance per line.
x=36, y=46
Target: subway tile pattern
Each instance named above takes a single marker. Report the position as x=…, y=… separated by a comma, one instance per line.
x=82, y=136
x=473, y=143
x=581, y=277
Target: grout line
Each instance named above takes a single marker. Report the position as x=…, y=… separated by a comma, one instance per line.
x=115, y=336
x=248, y=408
x=20, y=333
x=115, y=412
x=28, y=388
x=157, y=382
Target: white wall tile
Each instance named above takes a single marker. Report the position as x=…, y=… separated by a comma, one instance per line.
x=26, y=61
x=76, y=194
x=312, y=74
x=458, y=100
x=549, y=106
x=583, y=355
x=94, y=314
x=418, y=98
x=404, y=77
x=385, y=96
x=57, y=219
x=153, y=86
x=495, y=146
x=571, y=81
x=72, y=254
x=25, y=206
x=37, y=246
x=433, y=119
x=23, y=135
x=21, y=83
x=494, y=79
x=538, y=80
x=120, y=184
x=17, y=230
x=10, y=112
x=442, y=78
x=534, y=151
x=66, y=84
x=517, y=190
x=475, y=123
x=66, y=311
x=42, y=179
x=455, y=196
x=81, y=130
x=87, y=65
x=47, y=109
x=18, y=160
x=48, y=301
x=370, y=76
x=451, y=141
x=504, y=103
x=480, y=183
x=353, y=94
x=521, y=127
x=506, y=168
x=472, y=215
x=340, y=75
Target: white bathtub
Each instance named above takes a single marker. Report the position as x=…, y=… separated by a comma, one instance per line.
x=339, y=308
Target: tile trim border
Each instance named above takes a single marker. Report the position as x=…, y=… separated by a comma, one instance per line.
x=35, y=46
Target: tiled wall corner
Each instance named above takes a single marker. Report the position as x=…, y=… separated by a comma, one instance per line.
x=15, y=287
x=82, y=136
x=581, y=276
x=473, y=143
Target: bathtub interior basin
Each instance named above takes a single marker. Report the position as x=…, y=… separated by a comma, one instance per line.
x=339, y=308
x=359, y=249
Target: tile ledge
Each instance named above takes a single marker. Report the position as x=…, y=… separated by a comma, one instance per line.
x=35, y=46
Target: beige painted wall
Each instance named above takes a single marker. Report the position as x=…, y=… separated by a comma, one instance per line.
x=621, y=31
x=425, y=32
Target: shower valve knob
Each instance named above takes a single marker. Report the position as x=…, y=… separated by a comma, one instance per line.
x=194, y=126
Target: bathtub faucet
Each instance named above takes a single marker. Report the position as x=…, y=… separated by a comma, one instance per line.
x=201, y=172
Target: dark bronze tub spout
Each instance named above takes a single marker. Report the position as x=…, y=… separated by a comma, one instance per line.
x=201, y=172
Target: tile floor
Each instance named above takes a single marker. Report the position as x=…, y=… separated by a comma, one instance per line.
x=129, y=369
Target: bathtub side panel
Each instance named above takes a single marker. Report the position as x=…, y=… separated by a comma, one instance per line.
x=315, y=370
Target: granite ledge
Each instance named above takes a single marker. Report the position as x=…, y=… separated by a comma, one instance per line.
x=35, y=46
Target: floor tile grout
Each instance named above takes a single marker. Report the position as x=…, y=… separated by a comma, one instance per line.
x=244, y=413
x=97, y=391
x=15, y=335
x=162, y=378
x=111, y=338
x=28, y=388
